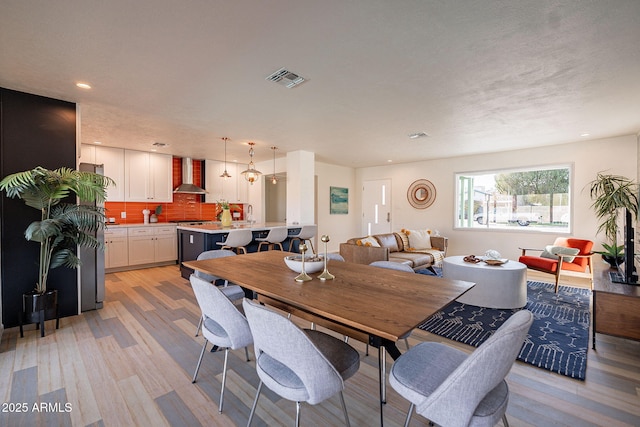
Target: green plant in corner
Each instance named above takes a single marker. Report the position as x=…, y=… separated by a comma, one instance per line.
x=610, y=193
x=64, y=224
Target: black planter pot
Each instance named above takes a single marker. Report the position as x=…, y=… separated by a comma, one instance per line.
x=36, y=308
x=613, y=261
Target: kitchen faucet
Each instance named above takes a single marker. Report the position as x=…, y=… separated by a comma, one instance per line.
x=250, y=214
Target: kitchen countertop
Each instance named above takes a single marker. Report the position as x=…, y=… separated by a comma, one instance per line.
x=216, y=227
x=151, y=224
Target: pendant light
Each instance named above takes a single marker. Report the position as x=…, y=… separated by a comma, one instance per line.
x=251, y=174
x=274, y=180
x=225, y=175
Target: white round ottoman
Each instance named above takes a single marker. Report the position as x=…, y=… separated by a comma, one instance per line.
x=497, y=286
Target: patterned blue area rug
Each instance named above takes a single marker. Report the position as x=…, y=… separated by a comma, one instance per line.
x=559, y=336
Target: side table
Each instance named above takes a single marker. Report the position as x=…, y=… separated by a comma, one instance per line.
x=497, y=286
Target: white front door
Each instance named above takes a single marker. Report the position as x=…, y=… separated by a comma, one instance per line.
x=376, y=207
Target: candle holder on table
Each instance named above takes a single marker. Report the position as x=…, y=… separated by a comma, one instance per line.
x=325, y=274
x=303, y=276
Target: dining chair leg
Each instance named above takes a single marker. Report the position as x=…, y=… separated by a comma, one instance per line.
x=199, y=326
x=224, y=379
x=406, y=341
x=297, y=414
x=409, y=413
x=504, y=420
x=383, y=354
x=195, y=374
x=344, y=410
x=246, y=353
x=255, y=403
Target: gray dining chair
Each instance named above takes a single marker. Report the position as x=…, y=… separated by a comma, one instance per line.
x=231, y=291
x=451, y=388
x=299, y=365
x=392, y=265
x=224, y=325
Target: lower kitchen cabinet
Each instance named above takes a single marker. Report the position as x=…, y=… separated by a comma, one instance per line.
x=116, y=253
x=148, y=245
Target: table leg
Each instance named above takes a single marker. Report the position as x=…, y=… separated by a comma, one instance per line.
x=384, y=347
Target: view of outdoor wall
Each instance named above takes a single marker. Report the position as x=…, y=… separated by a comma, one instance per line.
x=539, y=199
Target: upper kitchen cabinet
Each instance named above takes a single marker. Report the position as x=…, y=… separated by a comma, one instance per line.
x=233, y=190
x=113, y=161
x=148, y=177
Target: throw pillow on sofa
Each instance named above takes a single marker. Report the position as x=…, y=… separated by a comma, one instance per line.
x=419, y=239
x=368, y=241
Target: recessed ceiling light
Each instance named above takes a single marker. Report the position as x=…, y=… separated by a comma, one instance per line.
x=585, y=134
x=417, y=135
x=97, y=142
x=83, y=85
x=160, y=144
x=389, y=161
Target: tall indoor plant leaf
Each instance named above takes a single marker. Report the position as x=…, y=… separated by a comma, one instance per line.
x=64, y=224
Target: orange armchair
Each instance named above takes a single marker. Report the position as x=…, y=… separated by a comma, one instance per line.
x=579, y=264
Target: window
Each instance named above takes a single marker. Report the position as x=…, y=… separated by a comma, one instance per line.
x=533, y=199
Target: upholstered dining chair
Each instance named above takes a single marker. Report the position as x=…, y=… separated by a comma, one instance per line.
x=392, y=265
x=224, y=326
x=299, y=365
x=335, y=257
x=233, y=292
x=237, y=239
x=307, y=232
x=453, y=389
x=566, y=256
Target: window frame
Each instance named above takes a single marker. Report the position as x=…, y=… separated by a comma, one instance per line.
x=512, y=224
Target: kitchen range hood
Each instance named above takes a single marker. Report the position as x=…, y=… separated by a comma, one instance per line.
x=187, y=186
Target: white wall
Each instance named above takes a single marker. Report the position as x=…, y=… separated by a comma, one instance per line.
x=339, y=228
x=613, y=155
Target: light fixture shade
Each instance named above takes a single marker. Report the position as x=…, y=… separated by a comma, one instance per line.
x=251, y=174
x=274, y=180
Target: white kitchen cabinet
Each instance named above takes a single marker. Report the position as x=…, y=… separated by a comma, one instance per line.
x=233, y=190
x=116, y=252
x=152, y=244
x=148, y=177
x=113, y=161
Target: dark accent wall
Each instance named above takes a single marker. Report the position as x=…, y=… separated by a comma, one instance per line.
x=34, y=131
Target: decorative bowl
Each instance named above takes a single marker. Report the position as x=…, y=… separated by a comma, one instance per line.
x=312, y=263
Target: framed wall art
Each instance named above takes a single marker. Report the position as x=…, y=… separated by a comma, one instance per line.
x=338, y=200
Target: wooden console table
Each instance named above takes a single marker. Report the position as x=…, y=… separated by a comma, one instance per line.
x=616, y=306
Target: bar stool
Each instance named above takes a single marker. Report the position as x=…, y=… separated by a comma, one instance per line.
x=275, y=237
x=237, y=239
x=307, y=232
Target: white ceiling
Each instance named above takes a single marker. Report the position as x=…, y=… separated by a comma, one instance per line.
x=477, y=76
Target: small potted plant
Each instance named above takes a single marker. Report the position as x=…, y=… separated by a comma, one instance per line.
x=610, y=193
x=63, y=225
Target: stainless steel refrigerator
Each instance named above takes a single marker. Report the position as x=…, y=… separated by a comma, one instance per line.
x=92, y=267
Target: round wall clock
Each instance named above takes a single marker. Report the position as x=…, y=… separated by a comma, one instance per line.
x=421, y=194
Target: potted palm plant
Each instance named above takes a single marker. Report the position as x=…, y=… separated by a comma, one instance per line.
x=610, y=193
x=64, y=225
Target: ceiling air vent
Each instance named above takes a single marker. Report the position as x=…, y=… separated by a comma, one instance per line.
x=285, y=78
x=417, y=135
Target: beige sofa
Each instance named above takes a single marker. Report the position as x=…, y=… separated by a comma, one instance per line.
x=394, y=247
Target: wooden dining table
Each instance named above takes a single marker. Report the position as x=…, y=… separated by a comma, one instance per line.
x=371, y=304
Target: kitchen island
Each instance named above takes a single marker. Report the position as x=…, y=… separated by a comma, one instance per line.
x=195, y=239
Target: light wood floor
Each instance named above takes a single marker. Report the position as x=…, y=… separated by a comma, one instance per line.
x=131, y=363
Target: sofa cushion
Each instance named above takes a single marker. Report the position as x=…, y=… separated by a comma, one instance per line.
x=419, y=239
x=388, y=241
x=368, y=241
x=404, y=238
